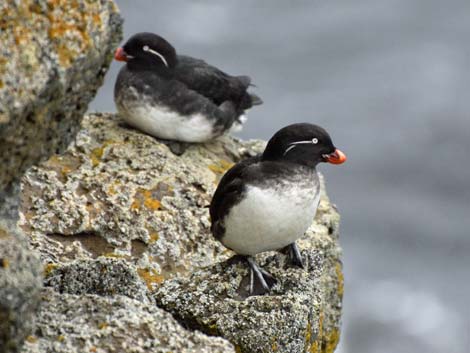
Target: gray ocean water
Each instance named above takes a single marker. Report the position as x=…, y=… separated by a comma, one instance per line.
x=390, y=81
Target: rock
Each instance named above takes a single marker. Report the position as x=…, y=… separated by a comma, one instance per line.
x=90, y=323
x=117, y=194
x=20, y=286
x=53, y=57
x=301, y=313
x=105, y=277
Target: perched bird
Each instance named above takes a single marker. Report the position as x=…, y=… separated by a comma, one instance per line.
x=266, y=202
x=177, y=97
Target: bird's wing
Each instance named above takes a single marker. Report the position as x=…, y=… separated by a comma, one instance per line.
x=211, y=82
x=229, y=192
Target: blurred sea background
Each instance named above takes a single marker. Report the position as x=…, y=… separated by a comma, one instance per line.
x=390, y=81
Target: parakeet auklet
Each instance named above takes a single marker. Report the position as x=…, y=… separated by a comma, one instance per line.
x=266, y=202
x=177, y=97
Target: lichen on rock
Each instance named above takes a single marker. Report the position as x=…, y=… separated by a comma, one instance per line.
x=20, y=286
x=53, y=57
x=90, y=323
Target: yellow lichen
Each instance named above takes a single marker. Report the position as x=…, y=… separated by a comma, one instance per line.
x=5, y=263
x=221, y=167
x=153, y=237
x=144, y=197
x=112, y=190
x=49, y=268
x=330, y=341
x=114, y=255
x=31, y=339
x=102, y=325
x=97, y=153
x=339, y=274
x=150, y=277
x=60, y=338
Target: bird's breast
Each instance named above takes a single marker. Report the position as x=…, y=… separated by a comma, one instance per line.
x=269, y=218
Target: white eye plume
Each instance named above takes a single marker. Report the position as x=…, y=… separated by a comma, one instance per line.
x=313, y=141
x=147, y=49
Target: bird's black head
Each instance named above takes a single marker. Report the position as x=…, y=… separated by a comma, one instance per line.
x=303, y=143
x=147, y=51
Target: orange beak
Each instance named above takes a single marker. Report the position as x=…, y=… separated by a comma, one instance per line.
x=337, y=157
x=120, y=55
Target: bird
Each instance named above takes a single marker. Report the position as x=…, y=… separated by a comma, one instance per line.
x=177, y=97
x=266, y=202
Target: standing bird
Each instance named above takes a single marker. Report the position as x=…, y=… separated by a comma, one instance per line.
x=267, y=202
x=177, y=97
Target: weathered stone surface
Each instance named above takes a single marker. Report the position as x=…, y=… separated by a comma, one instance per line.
x=20, y=286
x=105, y=277
x=53, y=57
x=301, y=313
x=119, y=194
x=89, y=323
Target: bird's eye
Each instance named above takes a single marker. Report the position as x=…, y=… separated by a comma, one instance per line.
x=145, y=48
x=314, y=140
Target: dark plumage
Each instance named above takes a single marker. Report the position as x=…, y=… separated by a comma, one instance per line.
x=268, y=201
x=177, y=97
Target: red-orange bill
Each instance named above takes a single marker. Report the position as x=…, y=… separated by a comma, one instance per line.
x=120, y=55
x=337, y=157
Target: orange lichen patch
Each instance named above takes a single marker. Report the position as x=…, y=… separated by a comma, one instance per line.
x=150, y=276
x=221, y=167
x=339, y=274
x=151, y=198
x=97, y=153
x=102, y=325
x=31, y=339
x=4, y=263
x=49, y=268
x=74, y=23
x=93, y=349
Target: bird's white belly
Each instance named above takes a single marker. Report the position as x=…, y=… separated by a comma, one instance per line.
x=163, y=123
x=268, y=219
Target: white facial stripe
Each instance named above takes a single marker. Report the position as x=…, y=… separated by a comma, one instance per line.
x=293, y=144
x=288, y=149
x=146, y=48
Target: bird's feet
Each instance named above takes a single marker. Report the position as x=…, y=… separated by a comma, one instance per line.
x=294, y=255
x=261, y=281
x=176, y=147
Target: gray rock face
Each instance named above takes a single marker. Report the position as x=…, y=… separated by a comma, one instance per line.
x=301, y=313
x=89, y=323
x=105, y=277
x=53, y=57
x=119, y=203
x=20, y=287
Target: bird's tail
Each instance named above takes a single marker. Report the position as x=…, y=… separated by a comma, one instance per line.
x=255, y=100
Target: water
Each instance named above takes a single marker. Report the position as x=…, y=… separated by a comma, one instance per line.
x=390, y=80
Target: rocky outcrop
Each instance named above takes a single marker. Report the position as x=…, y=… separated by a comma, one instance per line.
x=90, y=323
x=53, y=57
x=20, y=287
x=119, y=215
